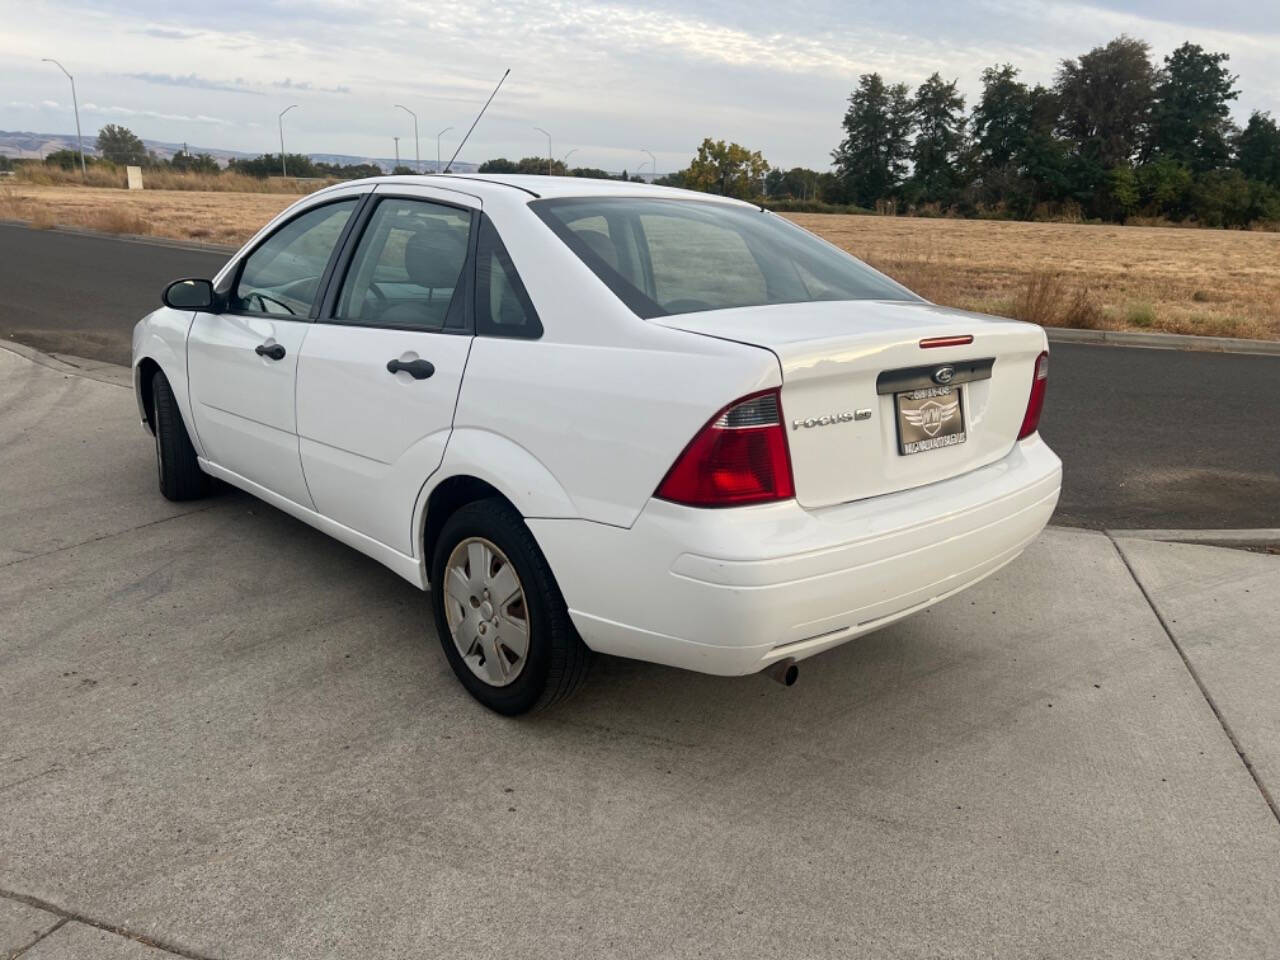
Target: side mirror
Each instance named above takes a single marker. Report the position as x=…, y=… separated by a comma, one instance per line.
x=189, y=295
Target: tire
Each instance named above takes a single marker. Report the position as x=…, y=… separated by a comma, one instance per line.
x=555, y=659
x=180, y=475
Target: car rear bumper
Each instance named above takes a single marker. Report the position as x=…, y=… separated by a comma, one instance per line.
x=731, y=591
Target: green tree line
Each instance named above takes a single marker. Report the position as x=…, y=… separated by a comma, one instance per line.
x=1114, y=136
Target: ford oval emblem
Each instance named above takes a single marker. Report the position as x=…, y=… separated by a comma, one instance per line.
x=944, y=375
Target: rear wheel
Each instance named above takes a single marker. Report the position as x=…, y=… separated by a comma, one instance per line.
x=499, y=613
x=180, y=475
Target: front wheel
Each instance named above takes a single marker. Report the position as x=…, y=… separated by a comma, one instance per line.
x=180, y=475
x=499, y=613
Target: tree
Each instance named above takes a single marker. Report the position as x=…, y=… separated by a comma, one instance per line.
x=593, y=173
x=121, y=146
x=730, y=170
x=1122, y=192
x=66, y=159
x=1224, y=198
x=402, y=170
x=527, y=165
x=1163, y=186
x=872, y=158
x=1001, y=119
x=1043, y=160
x=1191, y=116
x=538, y=166
x=268, y=165
x=1258, y=149
x=194, y=163
x=347, y=171
x=938, y=110
x=1105, y=98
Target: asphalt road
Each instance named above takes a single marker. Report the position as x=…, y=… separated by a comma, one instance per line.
x=1149, y=438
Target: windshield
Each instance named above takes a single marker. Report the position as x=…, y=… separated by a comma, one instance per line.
x=665, y=256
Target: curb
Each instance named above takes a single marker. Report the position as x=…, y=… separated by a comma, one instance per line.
x=1261, y=537
x=103, y=372
x=1164, y=341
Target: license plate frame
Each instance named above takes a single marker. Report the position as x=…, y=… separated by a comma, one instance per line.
x=915, y=411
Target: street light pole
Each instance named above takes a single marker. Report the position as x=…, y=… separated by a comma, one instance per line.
x=75, y=105
x=438, y=136
x=284, y=169
x=653, y=163
x=417, y=156
x=548, y=136
x=565, y=159
x=397, y=140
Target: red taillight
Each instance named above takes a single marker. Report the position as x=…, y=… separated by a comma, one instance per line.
x=1035, y=403
x=739, y=457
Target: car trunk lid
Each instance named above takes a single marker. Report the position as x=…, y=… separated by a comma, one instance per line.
x=866, y=409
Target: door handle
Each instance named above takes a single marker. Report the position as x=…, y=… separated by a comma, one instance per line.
x=418, y=369
x=273, y=352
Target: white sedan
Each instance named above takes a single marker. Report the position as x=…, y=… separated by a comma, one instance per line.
x=603, y=416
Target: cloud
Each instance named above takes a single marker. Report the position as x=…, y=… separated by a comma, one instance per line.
x=606, y=77
x=116, y=111
x=168, y=33
x=307, y=86
x=195, y=82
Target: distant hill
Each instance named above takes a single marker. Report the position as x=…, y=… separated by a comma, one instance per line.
x=24, y=144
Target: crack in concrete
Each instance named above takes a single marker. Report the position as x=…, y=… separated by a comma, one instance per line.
x=1204, y=690
x=105, y=536
x=24, y=948
x=71, y=915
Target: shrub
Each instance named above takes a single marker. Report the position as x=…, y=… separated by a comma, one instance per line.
x=1041, y=299
x=1141, y=315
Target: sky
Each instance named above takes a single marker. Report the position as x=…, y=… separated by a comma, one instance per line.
x=608, y=80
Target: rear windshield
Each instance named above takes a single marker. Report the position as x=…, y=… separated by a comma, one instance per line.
x=663, y=256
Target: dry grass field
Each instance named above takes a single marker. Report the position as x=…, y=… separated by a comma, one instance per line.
x=1209, y=282
x=206, y=217
x=1178, y=280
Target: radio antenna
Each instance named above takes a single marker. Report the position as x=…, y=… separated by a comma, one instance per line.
x=475, y=121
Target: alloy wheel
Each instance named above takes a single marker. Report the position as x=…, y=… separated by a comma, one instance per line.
x=486, y=611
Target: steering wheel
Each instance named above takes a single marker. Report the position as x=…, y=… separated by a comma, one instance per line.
x=263, y=299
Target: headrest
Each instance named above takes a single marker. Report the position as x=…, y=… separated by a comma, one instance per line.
x=600, y=244
x=434, y=255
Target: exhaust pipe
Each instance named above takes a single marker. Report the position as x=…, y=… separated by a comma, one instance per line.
x=784, y=672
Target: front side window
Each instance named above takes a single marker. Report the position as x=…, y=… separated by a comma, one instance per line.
x=664, y=256
x=407, y=267
x=282, y=276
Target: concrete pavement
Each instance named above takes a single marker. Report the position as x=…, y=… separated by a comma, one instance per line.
x=227, y=735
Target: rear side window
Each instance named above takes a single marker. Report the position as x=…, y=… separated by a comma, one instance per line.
x=503, y=307
x=407, y=268
x=282, y=276
x=663, y=256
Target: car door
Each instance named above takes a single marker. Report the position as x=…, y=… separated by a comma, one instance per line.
x=242, y=362
x=379, y=373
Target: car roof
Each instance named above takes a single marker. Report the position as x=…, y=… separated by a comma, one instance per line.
x=501, y=185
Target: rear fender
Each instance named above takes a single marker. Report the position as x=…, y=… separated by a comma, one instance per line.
x=503, y=464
